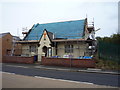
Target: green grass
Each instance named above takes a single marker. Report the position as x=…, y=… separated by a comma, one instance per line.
x=107, y=65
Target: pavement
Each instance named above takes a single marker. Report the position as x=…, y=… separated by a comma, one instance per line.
x=71, y=69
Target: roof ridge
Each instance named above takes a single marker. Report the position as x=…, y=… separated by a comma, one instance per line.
x=61, y=21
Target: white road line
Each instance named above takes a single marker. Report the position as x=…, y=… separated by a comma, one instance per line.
x=50, y=68
x=63, y=80
x=8, y=65
x=55, y=79
x=22, y=66
x=17, y=66
x=8, y=73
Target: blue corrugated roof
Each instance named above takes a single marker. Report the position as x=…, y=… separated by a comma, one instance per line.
x=68, y=29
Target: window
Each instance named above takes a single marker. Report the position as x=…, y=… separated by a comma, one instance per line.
x=32, y=48
x=8, y=40
x=8, y=52
x=68, y=48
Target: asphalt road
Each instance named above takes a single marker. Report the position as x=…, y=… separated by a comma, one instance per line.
x=95, y=78
x=10, y=80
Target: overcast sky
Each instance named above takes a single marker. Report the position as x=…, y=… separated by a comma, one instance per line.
x=17, y=14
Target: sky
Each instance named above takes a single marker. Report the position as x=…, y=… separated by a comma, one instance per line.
x=18, y=14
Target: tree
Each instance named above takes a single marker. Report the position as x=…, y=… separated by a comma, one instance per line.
x=115, y=38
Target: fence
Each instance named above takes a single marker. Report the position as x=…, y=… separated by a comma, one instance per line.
x=109, y=51
x=18, y=59
x=67, y=62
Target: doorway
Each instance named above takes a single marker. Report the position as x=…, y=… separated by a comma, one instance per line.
x=44, y=49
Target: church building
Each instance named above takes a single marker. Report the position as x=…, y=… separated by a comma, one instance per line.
x=68, y=39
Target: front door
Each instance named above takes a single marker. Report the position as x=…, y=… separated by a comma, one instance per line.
x=44, y=49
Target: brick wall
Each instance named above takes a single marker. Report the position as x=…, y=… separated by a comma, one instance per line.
x=82, y=63
x=18, y=59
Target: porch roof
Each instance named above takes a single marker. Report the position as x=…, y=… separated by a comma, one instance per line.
x=28, y=41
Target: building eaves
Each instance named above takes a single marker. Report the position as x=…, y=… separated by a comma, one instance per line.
x=28, y=41
x=66, y=40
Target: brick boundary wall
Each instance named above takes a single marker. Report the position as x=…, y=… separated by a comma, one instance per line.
x=82, y=63
x=18, y=59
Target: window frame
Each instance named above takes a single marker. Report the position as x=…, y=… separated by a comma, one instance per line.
x=69, y=48
x=32, y=48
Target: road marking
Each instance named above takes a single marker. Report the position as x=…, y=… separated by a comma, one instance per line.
x=63, y=80
x=54, y=79
x=8, y=73
x=51, y=68
x=17, y=66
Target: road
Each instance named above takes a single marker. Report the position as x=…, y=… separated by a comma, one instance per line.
x=90, y=78
x=20, y=81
